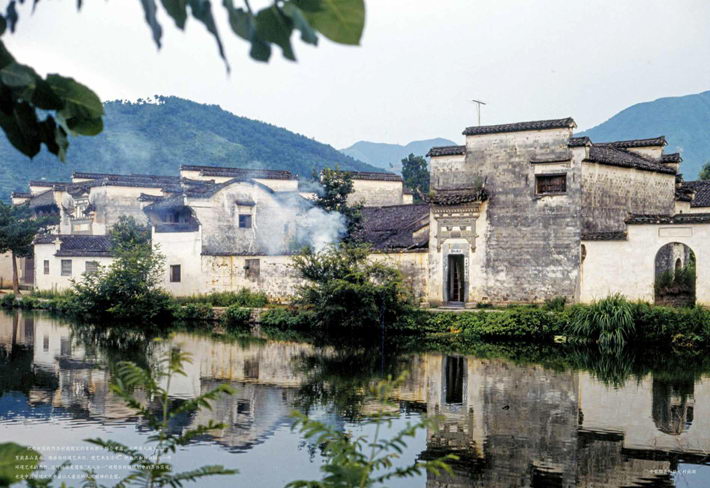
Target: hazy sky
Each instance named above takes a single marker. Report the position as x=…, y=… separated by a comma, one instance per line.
x=419, y=64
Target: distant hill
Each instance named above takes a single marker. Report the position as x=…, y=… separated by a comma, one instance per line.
x=389, y=156
x=685, y=121
x=157, y=138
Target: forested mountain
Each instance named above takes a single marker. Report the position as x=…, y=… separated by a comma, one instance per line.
x=685, y=121
x=158, y=137
x=389, y=156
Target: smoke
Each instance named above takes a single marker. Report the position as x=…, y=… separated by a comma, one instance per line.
x=292, y=222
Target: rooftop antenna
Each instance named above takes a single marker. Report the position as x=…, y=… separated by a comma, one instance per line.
x=478, y=107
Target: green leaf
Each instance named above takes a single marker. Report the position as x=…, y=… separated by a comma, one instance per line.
x=3, y=25
x=44, y=97
x=202, y=11
x=308, y=35
x=16, y=463
x=21, y=128
x=274, y=26
x=341, y=21
x=244, y=25
x=177, y=9
x=17, y=75
x=150, y=11
x=5, y=56
x=82, y=109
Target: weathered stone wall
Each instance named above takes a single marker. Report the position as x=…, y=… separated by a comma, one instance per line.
x=276, y=277
x=112, y=202
x=414, y=266
x=375, y=193
x=531, y=242
x=450, y=172
x=628, y=267
x=610, y=194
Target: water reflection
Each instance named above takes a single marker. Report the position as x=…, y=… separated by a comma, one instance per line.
x=510, y=424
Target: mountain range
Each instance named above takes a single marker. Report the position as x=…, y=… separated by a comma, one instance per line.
x=157, y=137
x=389, y=156
x=683, y=120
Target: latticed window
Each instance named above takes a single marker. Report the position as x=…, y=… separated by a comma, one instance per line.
x=46, y=266
x=550, y=184
x=66, y=267
x=91, y=267
x=245, y=221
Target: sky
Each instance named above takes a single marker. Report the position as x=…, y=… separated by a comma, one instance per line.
x=414, y=74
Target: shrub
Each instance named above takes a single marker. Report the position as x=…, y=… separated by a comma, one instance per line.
x=608, y=322
x=285, y=319
x=28, y=302
x=7, y=300
x=236, y=317
x=346, y=289
x=194, y=312
x=556, y=303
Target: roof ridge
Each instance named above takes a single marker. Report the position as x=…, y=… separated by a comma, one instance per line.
x=565, y=123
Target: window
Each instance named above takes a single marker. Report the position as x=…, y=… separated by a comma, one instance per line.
x=46, y=266
x=251, y=268
x=245, y=221
x=66, y=267
x=45, y=343
x=91, y=267
x=550, y=184
x=175, y=273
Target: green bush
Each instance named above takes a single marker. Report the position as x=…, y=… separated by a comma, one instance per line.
x=28, y=302
x=556, y=303
x=194, y=312
x=608, y=322
x=7, y=300
x=286, y=319
x=348, y=290
x=236, y=317
x=685, y=327
x=242, y=298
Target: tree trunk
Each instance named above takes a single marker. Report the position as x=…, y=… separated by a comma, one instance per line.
x=15, y=278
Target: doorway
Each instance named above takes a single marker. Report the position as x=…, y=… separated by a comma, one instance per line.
x=455, y=282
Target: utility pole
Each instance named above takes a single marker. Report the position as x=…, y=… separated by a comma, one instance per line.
x=478, y=107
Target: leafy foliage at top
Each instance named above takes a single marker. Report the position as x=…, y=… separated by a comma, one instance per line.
x=36, y=111
x=705, y=172
x=157, y=138
x=335, y=187
x=415, y=173
x=18, y=228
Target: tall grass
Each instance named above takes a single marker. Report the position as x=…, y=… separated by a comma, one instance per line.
x=242, y=298
x=608, y=322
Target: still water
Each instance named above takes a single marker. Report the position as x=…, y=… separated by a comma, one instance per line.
x=512, y=420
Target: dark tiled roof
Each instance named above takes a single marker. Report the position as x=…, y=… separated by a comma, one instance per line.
x=671, y=158
x=371, y=175
x=81, y=245
x=393, y=227
x=688, y=218
x=701, y=190
x=446, y=151
x=407, y=191
x=120, y=177
x=579, y=141
x=21, y=194
x=144, y=197
x=457, y=197
x=567, y=123
x=270, y=174
x=59, y=185
x=607, y=154
x=604, y=236
x=654, y=141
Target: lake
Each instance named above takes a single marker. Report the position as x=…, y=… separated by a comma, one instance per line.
x=515, y=415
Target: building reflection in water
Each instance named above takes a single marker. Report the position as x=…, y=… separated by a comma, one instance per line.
x=509, y=424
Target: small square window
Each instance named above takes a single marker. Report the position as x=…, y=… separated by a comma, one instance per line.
x=66, y=267
x=245, y=221
x=252, y=268
x=46, y=266
x=550, y=184
x=175, y=273
x=91, y=267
